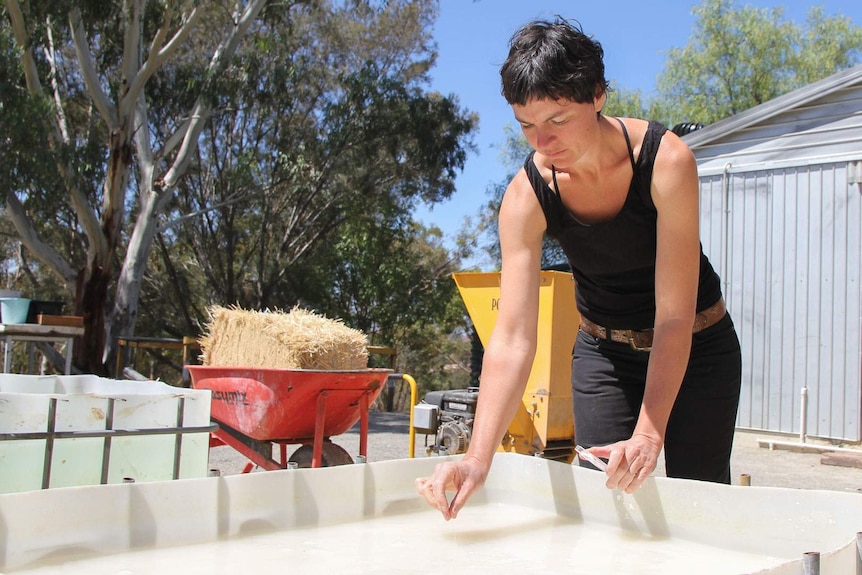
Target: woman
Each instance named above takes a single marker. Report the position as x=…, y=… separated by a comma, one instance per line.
x=656, y=363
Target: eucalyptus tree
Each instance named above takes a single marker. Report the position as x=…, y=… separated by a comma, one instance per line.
x=89, y=66
x=327, y=123
x=306, y=111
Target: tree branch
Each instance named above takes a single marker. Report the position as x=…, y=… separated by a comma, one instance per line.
x=160, y=53
x=201, y=111
x=88, y=70
x=28, y=62
x=175, y=139
x=60, y=115
x=42, y=251
x=177, y=221
x=55, y=137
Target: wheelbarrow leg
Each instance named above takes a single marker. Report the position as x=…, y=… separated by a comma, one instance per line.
x=257, y=451
x=319, y=422
x=363, y=426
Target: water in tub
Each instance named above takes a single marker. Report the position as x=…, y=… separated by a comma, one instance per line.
x=494, y=538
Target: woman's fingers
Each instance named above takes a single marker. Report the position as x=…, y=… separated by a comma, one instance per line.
x=629, y=463
x=462, y=477
x=434, y=488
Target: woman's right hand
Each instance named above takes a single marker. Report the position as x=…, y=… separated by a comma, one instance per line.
x=463, y=477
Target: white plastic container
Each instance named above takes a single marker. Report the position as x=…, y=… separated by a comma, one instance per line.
x=139, y=444
x=14, y=309
x=533, y=515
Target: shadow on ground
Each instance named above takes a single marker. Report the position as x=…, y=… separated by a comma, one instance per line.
x=383, y=422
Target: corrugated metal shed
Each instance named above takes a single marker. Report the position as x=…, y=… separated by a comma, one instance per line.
x=781, y=219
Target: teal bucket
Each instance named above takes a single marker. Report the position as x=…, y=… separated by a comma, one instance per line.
x=14, y=309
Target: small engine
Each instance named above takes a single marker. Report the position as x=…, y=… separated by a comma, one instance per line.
x=448, y=416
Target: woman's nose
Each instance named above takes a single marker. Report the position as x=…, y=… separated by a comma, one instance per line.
x=543, y=139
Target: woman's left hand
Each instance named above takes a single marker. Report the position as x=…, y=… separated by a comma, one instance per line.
x=630, y=462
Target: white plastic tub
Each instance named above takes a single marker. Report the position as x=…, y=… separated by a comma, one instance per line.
x=14, y=309
x=53, y=431
x=533, y=516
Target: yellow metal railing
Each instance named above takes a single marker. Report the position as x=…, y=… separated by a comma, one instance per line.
x=414, y=392
x=413, y=399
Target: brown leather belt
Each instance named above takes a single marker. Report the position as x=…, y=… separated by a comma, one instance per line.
x=641, y=340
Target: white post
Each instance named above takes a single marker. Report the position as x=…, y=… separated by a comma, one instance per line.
x=811, y=563
x=859, y=553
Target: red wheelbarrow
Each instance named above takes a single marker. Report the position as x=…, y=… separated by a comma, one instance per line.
x=258, y=407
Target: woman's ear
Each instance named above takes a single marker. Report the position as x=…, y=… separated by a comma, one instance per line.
x=600, y=101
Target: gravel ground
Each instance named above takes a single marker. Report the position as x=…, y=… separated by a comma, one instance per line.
x=388, y=438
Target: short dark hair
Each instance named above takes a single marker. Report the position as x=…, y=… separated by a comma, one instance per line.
x=553, y=60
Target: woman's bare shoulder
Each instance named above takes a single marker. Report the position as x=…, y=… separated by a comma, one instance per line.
x=520, y=208
x=674, y=171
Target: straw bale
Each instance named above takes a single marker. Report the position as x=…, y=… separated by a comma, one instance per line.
x=299, y=339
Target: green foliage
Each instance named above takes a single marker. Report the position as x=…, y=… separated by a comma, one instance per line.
x=414, y=308
x=827, y=45
x=625, y=103
x=29, y=170
x=739, y=58
x=323, y=139
x=323, y=142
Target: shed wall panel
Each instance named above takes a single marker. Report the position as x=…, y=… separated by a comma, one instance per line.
x=787, y=244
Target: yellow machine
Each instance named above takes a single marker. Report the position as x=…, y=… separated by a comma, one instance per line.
x=544, y=425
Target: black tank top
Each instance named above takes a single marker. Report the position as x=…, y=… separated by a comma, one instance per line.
x=613, y=261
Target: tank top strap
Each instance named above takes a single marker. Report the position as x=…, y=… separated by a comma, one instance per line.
x=628, y=144
x=551, y=203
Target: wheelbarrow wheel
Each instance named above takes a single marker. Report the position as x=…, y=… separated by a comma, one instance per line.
x=331, y=455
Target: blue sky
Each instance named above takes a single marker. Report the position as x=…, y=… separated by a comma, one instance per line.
x=472, y=38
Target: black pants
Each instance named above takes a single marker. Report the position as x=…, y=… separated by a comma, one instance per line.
x=608, y=386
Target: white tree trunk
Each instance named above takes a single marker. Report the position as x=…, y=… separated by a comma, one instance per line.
x=156, y=195
x=127, y=122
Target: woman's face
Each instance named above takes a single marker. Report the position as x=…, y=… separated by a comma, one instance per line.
x=560, y=130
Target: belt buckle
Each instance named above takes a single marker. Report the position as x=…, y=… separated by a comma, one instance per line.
x=640, y=340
